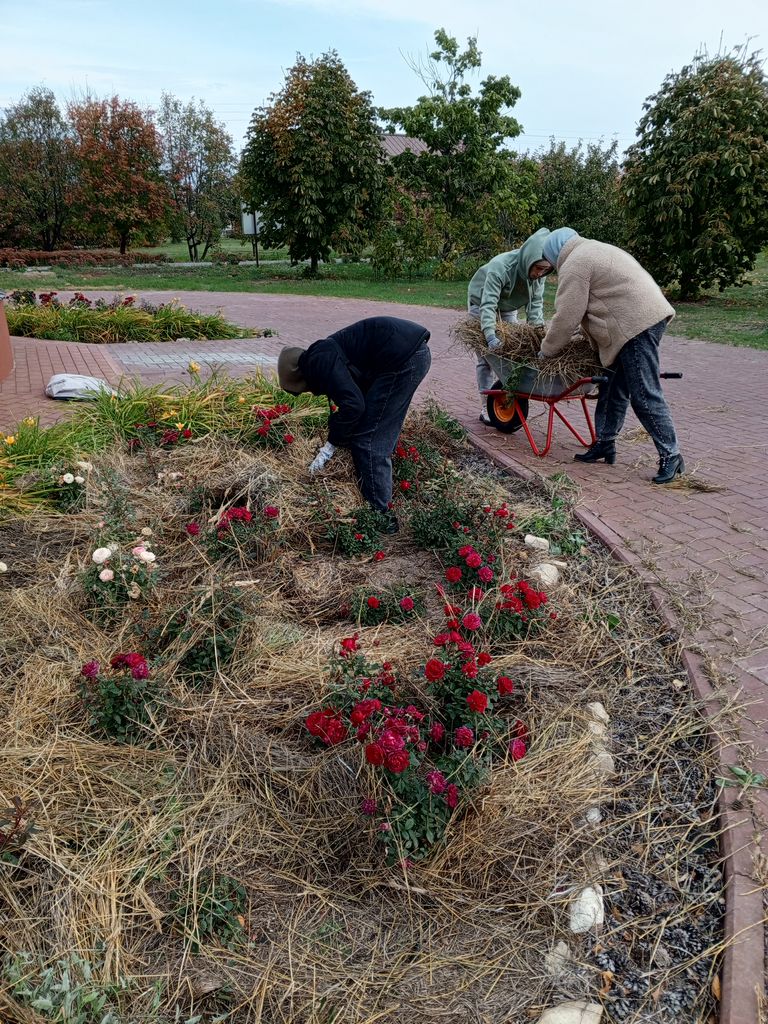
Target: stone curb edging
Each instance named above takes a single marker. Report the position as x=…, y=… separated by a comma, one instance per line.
x=743, y=970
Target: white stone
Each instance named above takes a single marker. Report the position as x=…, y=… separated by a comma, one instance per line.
x=537, y=543
x=557, y=960
x=575, y=1011
x=586, y=910
x=594, y=816
x=598, y=712
x=604, y=764
x=546, y=573
x=3, y=567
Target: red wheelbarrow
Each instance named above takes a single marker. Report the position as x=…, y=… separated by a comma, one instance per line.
x=508, y=407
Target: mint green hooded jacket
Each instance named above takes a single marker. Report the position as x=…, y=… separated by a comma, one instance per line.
x=502, y=284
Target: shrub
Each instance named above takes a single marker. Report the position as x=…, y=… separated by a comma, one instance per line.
x=17, y=259
x=119, y=699
x=118, y=574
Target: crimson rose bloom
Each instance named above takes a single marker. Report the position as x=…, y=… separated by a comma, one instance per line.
x=271, y=512
x=504, y=685
x=378, y=556
x=471, y=621
x=407, y=604
x=373, y=602
x=477, y=701
x=451, y=795
x=473, y=560
x=483, y=658
x=436, y=782
x=485, y=574
x=517, y=749
x=453, y=574
x=434, y=670
x=289, y=438
x=90, y=669
x=368, y=807
x=192, y=529
x=374, y=754
x=405, y=485
x=469, y=669
x=436, y=732
x=463, y=736
x=398, y=761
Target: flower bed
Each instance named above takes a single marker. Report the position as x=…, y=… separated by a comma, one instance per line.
x=17, y=259
x=291, y=769
x=98, y=322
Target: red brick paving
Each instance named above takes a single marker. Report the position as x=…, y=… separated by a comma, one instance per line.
x=707, y=550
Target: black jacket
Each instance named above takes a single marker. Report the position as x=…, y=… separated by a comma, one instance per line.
x=345, y=364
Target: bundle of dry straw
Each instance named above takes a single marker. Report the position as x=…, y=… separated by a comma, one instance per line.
x=520, y=343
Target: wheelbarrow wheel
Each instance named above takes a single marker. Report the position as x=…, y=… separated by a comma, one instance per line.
x=502, y=412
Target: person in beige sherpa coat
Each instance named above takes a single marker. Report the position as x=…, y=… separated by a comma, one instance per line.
x=622, y=310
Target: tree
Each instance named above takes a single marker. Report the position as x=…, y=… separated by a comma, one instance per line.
x=37, y=171
x=464, y=171
x=312, y=165
x=696, y=179
x=121, y=190
x=199, y=166
x=581, y=190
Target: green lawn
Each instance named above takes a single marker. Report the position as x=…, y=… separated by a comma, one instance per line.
x=179, y=252
x=737, y=316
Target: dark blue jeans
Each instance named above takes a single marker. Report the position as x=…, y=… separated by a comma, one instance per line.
x=386, y=403
x=633, y=379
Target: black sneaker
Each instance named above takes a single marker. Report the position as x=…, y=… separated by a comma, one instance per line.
x=388, y=523
x=670, y=466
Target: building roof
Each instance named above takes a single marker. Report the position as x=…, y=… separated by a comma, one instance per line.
x=394, y=145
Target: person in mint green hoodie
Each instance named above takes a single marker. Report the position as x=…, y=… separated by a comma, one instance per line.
x=500, y=288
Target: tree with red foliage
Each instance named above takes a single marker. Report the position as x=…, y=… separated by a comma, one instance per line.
x=118, y=148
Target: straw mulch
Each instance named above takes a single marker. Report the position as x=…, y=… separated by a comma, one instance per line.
x=520, y=343
x=227, y=782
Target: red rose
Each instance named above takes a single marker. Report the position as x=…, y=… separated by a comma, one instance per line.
x=471, y=621
x=373, y=602
x=378, y=556
x=474, y=561
x=192, y=529
x=398, y=761
x=475, y=594
x=289, y=438
x=505, y=686
x=463, y=736
x=477, y=701
x=467, y=549
x=374, y=754
x=407, y=604
x=517, y=749
x=437, y=782
x=436, y=732
x=186, y=433
x=271, y=512
x=405, y=485
x=469, y=669
x=483, y=658
x=348, y=645
x=485, y=574
x=359, y=536
x=453, y=574
x=441, y=640
x=434, y=670
x=451, y=795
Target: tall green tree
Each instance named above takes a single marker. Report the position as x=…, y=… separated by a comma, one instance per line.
x=122, y=194
x=696, y=179
x=313, y=165
x=199, y=165
x=37, y=171
x=580, y=188
x=467, y=175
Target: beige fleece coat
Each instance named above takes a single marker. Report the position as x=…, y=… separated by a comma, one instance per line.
x=605, y=291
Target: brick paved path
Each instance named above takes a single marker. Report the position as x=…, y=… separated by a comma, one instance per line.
x=708, y=549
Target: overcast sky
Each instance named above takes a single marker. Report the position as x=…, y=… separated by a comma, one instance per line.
x=584, y=67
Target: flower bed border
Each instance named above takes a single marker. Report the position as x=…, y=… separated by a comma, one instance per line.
x=743, y=972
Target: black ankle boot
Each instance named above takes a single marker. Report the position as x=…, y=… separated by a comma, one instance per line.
x=388, y=523
x=670, y=466
x=599, y=450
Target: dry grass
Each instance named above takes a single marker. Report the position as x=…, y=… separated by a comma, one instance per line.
x=227, y=781
x=520, y=343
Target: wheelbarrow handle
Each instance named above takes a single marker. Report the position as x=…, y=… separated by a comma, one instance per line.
x=670, y=376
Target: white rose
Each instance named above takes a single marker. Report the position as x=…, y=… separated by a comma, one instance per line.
x=3, y=567
x=106, y=575
x=147, y=556
x=79, y=479
x=100, y=555
x=68, y=478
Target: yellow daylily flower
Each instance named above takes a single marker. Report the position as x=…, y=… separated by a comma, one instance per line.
x=10, y=439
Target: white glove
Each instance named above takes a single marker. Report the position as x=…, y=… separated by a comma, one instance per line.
x=325, y=453
x=540, y=356
x=493, y=342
